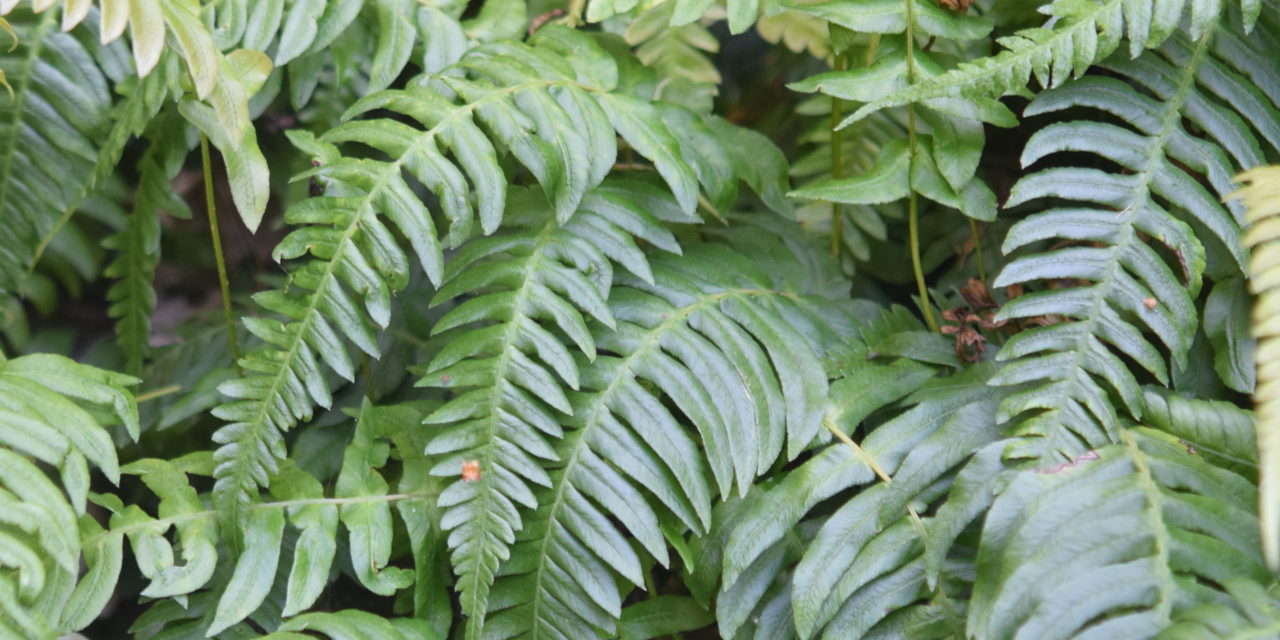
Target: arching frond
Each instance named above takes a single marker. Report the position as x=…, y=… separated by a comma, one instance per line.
x=50, y=136
x=1115, y=288
x=525, y=298
x=353, y=624
x=149, y=22
x=711, y=337
x=1076, y=36
x=1114, y=544
x=1261, y=196
x=54, y=412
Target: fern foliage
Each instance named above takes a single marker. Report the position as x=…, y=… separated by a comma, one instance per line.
x=1126, y=292
x=721, y=351
x=55, y=412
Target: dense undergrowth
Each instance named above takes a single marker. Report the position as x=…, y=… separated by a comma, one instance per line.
x=746, y=319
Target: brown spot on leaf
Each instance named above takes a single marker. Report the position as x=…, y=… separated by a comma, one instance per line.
x=470, y=470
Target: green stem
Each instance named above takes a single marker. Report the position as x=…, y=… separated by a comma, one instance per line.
x=216, y=238
x=977, y=250
x=837, y=161
x=913, y=213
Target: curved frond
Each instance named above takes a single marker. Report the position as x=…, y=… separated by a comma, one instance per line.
x=508, y=352
x=1261, y=196
x=1115, y=290
x=53, y=412
x=50, y=135
x=353, y=624
x=1114, y=544
x=1076, y=36
x=148, y=21
x=710, y=355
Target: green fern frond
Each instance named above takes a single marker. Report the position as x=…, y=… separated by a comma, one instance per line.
x=1116, y=543
x=1261, y=197
x=866, y=558
x=712, y=336
x=353, y=624
x=53, y=412
x=60, y=102
x=1076, y=36
x=507, y=353
x=230, y=592
x=1158, y=203
x=132, y=297
x=1251, y=612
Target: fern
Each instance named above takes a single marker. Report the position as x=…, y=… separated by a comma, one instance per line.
x=59, y=96
x=55, y=412
x=720, y=351
x=1260, y=196
x=1077, y=36
x=1128, y=288
x=1140, y=529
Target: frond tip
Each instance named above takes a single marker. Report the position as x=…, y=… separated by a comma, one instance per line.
x=1262, y=198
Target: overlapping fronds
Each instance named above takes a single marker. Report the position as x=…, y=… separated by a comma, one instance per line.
x=526, y=295
x=1207, y=113
x=867, y=558
x=1261, y=196
x=710, y=374
x=1076, y=36
x=353, y=624
x=560, y=122
x=54, y=413
x=1116, y=543
x=189, y=563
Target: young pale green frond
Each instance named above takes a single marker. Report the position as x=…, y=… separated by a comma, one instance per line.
x=1113, y=544
x=150, y=22
x=53, y=412
x=524, y=298
x=1261, y=196
x=1076, y=36
x=1112, y=236
x=712, y=337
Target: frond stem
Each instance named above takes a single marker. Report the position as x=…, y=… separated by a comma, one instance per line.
x=913, y=206
x=837, y=160
x=216, y=238
x=977, y=250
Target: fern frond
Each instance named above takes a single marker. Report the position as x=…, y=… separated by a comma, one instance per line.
x=1116, y=235
x=132, y=297
x=1261, y=197
x=149, y=21
x=712, y=336
x=1251, y=612
x=507, y=353
x=866, y=558
x=54, y=412
x=1076, y=36
x=353, y=624
x=1114, y=544
x=50, y=136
